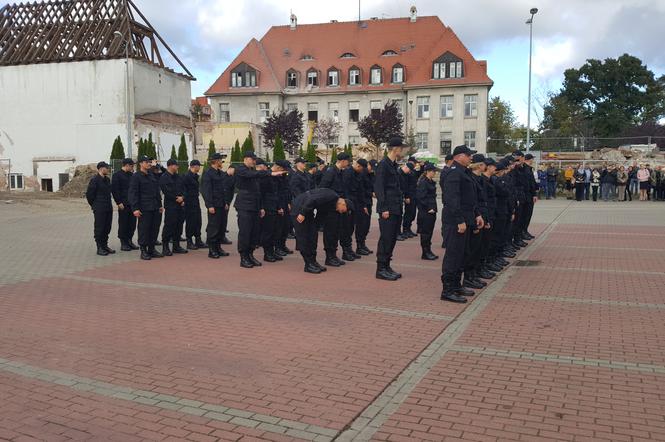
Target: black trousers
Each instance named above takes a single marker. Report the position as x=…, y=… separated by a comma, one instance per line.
x=148, y=227
x=248, y=231
x=194, y=222
x=425, y=224
x=307, y=237
x=594, y=193
x=126, y=224
x=528, y=213
x=268, y=225
x=174, y=218
x=579, y=191
x=216, y=225
x=472, y=253
x=452, y=265
x=499, y=238
x=102, y=226
x=346, y=228
x=517, y=224
x=331, y=229
x=282, y=229
x=486, y=242
x=362, y=222
x=388, y=231
x=409, y=214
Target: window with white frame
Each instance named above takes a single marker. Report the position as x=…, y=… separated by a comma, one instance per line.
x=312, y=78
x=291, y=79
x=398, y=74
x=333, y=111
x=354, y=140
x=224, y=113
x=422, y=106
x=290, y=107
x=354, y=111
x=375, y=75
x=354, y=76
x=264, y=111
x=447, y=65
x=445, y=143
x=421, y=140
x=375, y=107
x=312, y=111
x=471, y=105
x=470, y=139
x=243, y=76
x=16, y=181
x=447, y=102
x=333, y=77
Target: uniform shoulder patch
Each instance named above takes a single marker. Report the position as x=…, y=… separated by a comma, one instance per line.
x=453, y=167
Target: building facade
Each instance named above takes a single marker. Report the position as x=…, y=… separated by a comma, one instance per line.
x=61, y=109
x=345, y=71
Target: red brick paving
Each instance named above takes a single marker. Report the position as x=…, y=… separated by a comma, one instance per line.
x=601, y=259
x=486, y=398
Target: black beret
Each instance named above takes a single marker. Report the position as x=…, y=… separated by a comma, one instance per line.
x=127, y=161
x=528, y=157
x=216, y=156
x=102, y=164
x=518, y=153
x=478, y=158
x=490, y=162
x=172, y=162
x=343, y=156
x=284, y=164
x=463, y=149
x=429, y=166
x=143, y=158
x=195, y=163
x=449, y=157
x=501, y=165
x=395, y=142
x=249, y=154
x=299, y=160
x=362, y=162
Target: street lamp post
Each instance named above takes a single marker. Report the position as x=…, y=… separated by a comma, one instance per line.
x=129, y=116
x=529, y=22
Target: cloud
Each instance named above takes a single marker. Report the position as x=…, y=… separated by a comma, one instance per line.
x=551, y=57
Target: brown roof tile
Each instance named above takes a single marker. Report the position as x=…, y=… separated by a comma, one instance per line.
x=416, y=44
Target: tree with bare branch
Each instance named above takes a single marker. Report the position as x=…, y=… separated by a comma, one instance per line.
x=327, y=131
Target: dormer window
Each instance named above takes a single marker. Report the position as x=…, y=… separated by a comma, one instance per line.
x=375, y=75
x=291, y=79
x=333, y=77
x=389, y=53
x=347, y=55
x=354, y=76
x=398, y=74
x=243, y=76
x=312, y=77
x=307, y=57
x=447, y=66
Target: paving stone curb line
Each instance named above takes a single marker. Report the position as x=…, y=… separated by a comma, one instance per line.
x=584, y=301
x=562, y=359
x=586, y=269
x=270, y=298
x=368, y=422
x=220, y=413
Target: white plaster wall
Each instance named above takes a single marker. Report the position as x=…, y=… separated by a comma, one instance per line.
x=156, y=89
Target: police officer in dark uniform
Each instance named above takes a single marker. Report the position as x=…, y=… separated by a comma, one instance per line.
x=214, y=196
x=389, y=200
x=299, y=181
x=337, y=226
x=521, y=186
x=120, y=189
x=488, y=256
x=363, y=212
x=229, y=192
x=460, y=217
x=248, y=207
x=98, y=195
x=409, y=184
x=531, y=197
x=473, y=273
x=270, y=206
x=448, y=161
x=303, y=210
x=283, y=223
x=174, y=208
x=146, y=203
x=193, y=220
x=503, y=213
x=427, y=208
x=312, y=171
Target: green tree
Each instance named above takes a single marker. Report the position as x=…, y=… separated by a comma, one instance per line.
x=183, y=158
x=118, y=150
x=236, y=154
x=301, y=152
x=248, y=144
x=310, y=154
x=267, y=156
x=174, y=155
x=278, y=151
x=333, y=157
x=500, y=126
x=150, y=148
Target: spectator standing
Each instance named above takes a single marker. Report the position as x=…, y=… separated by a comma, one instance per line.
x=568, y=175
x=622, y=181
x=579, y=177
x=552, y=174
x=643, y=177
x=587, y=183
x=595, y=183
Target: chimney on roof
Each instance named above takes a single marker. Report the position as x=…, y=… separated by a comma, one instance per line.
x=414, y=14
x=294, y=21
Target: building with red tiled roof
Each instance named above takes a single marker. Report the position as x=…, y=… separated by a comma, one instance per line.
x=200, y=109
x=344, y=70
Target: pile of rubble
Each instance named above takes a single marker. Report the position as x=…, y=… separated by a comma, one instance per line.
x=77, y=186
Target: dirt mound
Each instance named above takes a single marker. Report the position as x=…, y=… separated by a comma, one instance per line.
x=77, y=186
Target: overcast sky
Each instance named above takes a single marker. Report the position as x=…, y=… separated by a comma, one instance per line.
x=208, y=34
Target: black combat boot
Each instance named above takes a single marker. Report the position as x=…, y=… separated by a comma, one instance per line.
x=145, y=254
x=279, y=252
x=268, y=254
x=485, y=274
x=166, y=250
x=124, y=246
x=226, y=241
x=132, y=245
x=255, y=262
x=315, y=263
x=221, y=251
x=101, y=251
x=348, y=255
x=191, y=245
x=311, y=268
x=383, y=273
x=360, y=250
x=177, y=249
x=245, y=262
x=154, y=253
x=212, y=251
x=390, y=269
x=109, y=250
x=200, y=244
x=427, y=255
x=333, y=261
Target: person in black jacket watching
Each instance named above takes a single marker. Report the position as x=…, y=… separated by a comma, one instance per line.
x=305, y=223
x=214, y=196
x=460, y=217
x=389, y=200
x=248, y=206
x=174, y=208
x=146, y=203
x=427, y=208
x=99, y=198
x=120, y=190
x=337, y=227
x=193, y=221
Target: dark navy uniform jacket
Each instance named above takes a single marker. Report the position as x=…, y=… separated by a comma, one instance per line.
x=247, y=183
x=144, y=192
x=171, y=186
x=120, y=187
x=460, y=196
x=299, y=183
x=213, y=188
x=322, y=200
x=426, y=195
x=190, y=190
x=387, y=189
x=99, y=194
